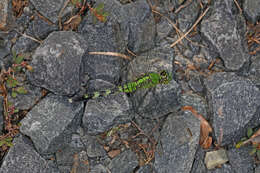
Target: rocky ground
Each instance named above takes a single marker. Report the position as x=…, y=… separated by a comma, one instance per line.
x=51, y=51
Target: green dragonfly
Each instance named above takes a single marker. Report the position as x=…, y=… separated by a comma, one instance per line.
x=149, y=80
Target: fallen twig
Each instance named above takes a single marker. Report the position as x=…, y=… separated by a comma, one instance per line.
x=194, y=25
x=111, y=54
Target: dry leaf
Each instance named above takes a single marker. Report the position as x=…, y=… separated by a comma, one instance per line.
x=205, y=128
x=18, y=6
x=72, y=23
x=113, y=153
x=106, y=148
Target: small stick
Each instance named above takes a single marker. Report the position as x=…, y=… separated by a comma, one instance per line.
x=27, y=36
x=194, y=25
x=111, y=54
x=238, y=6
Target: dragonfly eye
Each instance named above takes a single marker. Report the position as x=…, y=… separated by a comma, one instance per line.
x=164, y=77
x=163, y=74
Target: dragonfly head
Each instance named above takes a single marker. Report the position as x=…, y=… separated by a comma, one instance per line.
x=165, y=77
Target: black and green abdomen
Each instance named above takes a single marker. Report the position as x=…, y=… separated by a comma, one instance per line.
x=147, y=81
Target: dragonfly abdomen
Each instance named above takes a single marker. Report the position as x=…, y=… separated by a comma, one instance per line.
x=147, y=81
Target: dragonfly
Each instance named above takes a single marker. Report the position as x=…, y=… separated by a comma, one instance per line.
x=147, y=81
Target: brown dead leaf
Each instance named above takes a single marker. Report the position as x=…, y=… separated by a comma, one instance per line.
x=205, y=128
x=106, y=148
x=113, y=153
x=257, y=133
x=72, y=23
x=18, y=6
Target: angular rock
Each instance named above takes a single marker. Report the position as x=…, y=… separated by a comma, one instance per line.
x=103, y=113
x=188, y=15
x=198, y=164
x=93, y=147
x=39, y=29
x=26, y=101
x=222, y=29
x=24, y=45
x=178, y=147
x=6, y=18
x=257, y=169
x=254, y=70
x=197, y=102
x=22, y=158
x=98, y=169
x=65, y=157
x=138, y=23
x=233, y=102
x=49, y=8
x=252, y=10
x=146, y=169
x=3, y=51
x=73, y=161
x=51, y=123
x=240, y=160
x=225, y=168
x=103, y=38
x=125, y=162
x=57, y=63
x=160, y=100
x=195, y=83
x=215, y=158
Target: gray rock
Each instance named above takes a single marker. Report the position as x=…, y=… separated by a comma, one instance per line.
x=123, y=163
x=57, y=63
x=3, y=52
x=99, y=169
x=195, y=83
x=81, y=164
x=51, y=123
x=162, y=99
x=224, y=32
x=103, y=113
x=233, y=102
x=103, y=38
x=69, y=160
x=26, y=101
x=6, y=17
x=138, y=26
x=40, y=29
x=196, y=101
x=50, y=9
x=198, y=164
x=257, y=169
x=188, y=15
x=65, y=157
x=93, y=147
x=252, y=10
x=224, y=169
x=24, y=44
x=177, y=150
x=215, y=158
x=240, y=160
x=254, y=70
x=163, y=29
x=22, y=158
x=146, y=169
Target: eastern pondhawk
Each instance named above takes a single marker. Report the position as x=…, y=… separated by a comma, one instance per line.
x=149, y=80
